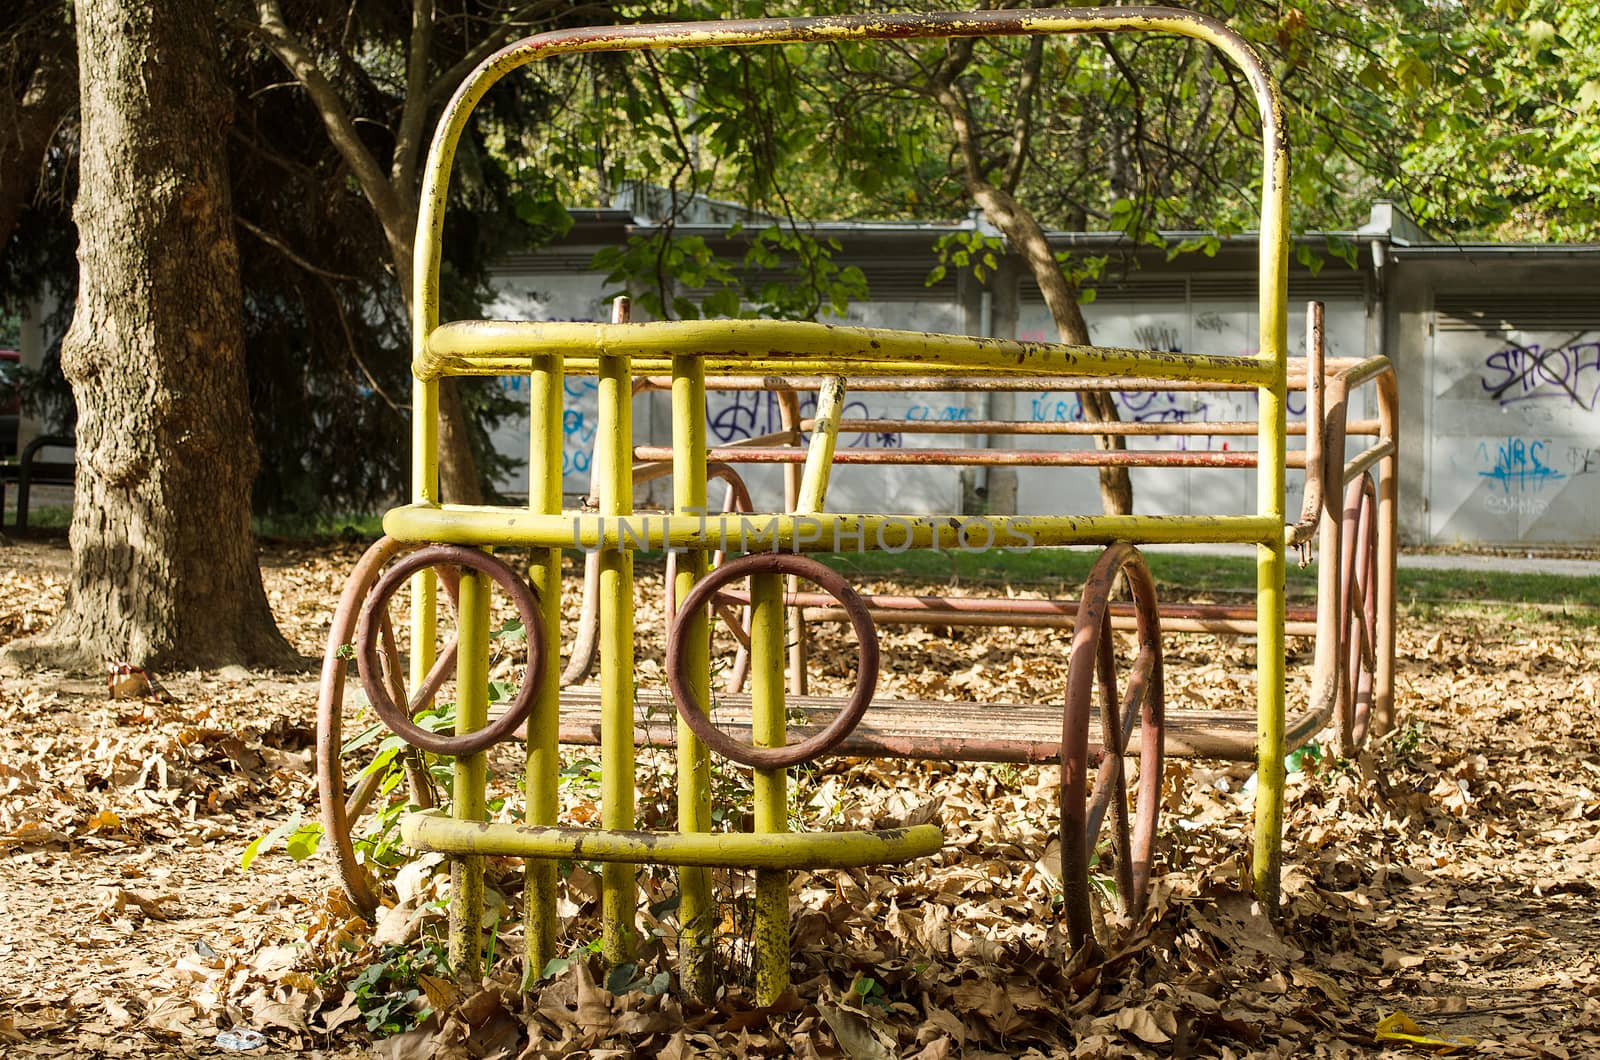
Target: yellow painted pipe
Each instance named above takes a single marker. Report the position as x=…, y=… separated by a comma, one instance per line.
x=696, y=913
x=613, y=470
x=771, y=788
x=830, y=532
x=470, y=773
x=432, y=830
x=504, y=347
x=1271, y=566
x=542, y=766
x=824, y=439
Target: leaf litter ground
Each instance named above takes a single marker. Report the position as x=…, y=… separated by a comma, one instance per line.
x=1448, y=872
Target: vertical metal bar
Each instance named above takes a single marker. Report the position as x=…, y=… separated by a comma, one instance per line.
x=789, y=416
x=614, y=468
x=813, y=491
x=1388, y=538
x=1273, y=297
x=768, y=729
x=424, y=490
x=471, y=773
x=695, y=912
x=542, y=765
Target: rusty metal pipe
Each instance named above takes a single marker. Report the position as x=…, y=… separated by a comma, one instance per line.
x=336, y=812
x=990, y=457
x=1123, y=623
x=979, y=428
x=1087, y=662
x=1020, y=383
x=939, y=608
x=1316, y=428
x=693, y=713
x=1388, y=551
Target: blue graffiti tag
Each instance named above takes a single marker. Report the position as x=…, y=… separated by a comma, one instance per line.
x=1519, y=462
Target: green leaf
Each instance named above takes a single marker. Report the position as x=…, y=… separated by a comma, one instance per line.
x=303, y=842
x=267, y=842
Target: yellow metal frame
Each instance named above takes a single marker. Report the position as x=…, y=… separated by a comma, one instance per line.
x=689, y=351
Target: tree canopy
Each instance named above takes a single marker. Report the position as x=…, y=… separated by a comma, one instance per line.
x=1476, y=114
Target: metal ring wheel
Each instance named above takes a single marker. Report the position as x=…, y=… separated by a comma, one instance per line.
x=374, y=611
x=339, y=806
x=693, y=712
x=737, y=499
x=1358, y=615
x=1092, y=663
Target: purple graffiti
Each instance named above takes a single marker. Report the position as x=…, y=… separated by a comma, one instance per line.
x=749, y=414
x=1532, y=373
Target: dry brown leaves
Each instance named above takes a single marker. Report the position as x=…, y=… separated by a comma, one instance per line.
x=1448, y=872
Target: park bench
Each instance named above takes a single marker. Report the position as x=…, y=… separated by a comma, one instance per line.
x=27, y=471
x=429, y=545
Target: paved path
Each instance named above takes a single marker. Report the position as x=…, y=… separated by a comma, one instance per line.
x=1530, y=563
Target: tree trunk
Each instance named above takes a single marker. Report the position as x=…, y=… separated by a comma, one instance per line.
x=459, y=481
x=1024, y=233
x=164, y=569
x=1022, y=229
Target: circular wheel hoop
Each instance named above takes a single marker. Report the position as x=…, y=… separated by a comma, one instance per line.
x=398, y=718
x=1358, y=616
x=1092, y=662
x=693, y=712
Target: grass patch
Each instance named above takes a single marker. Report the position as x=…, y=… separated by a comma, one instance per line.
x=49, y=517
x=312, y=528
x=1185, y=573
x=1064, y=570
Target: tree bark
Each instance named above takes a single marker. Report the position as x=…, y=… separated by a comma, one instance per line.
x=164, y=568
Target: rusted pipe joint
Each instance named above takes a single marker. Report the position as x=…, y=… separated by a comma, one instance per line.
x=693, y=712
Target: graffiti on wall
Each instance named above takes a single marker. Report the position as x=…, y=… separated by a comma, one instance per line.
x=733, y=416
x=1519, y=471
x=1513, y=448
x=1567, y=374
x=1162, y=406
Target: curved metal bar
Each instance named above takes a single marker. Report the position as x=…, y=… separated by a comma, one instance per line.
x=1315, y=427
x=586, y=648
x=1089, y=662
x=744, y=32
x=367, y=653
x=336, y=813
x=737, y=499
x=693, y=712
x=1358, y=607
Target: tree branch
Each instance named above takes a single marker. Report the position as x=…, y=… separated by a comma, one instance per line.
x=25, y=137
x=385, y=202
x=414, y=112
x=1022, y=124
x=283, y=248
